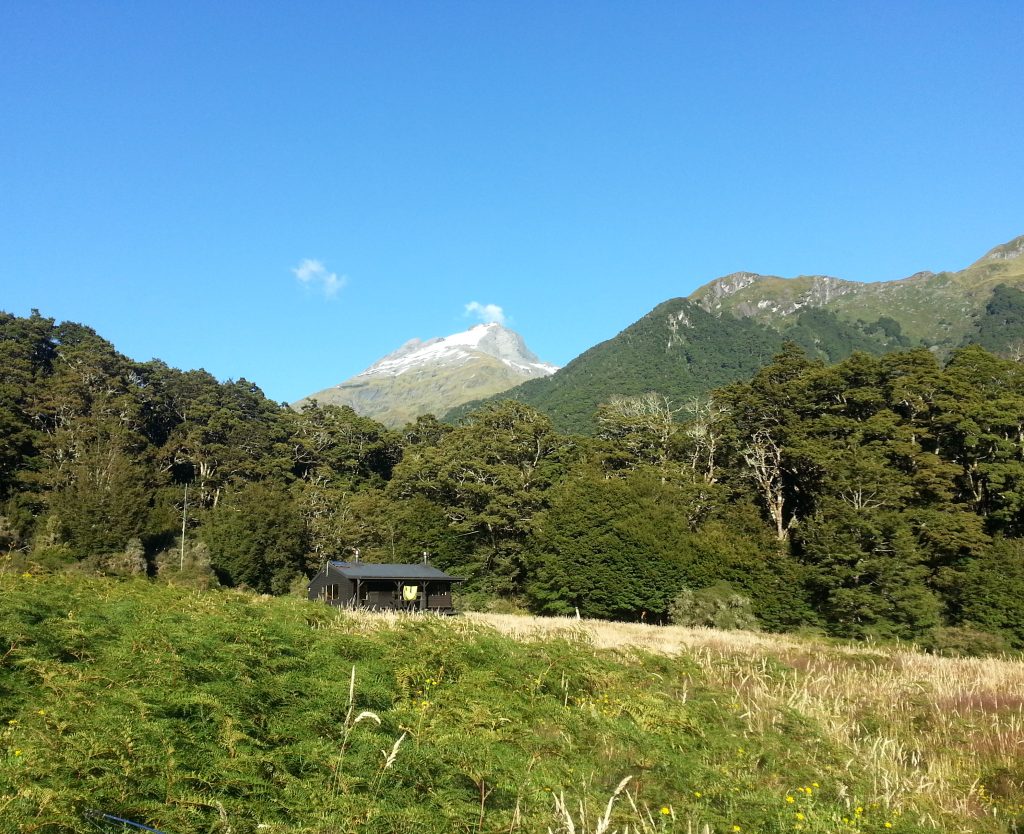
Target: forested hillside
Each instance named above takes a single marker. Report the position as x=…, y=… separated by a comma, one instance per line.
x=881, y=496
x=728, y=328
x=681, y=351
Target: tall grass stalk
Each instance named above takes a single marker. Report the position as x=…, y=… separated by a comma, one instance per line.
x=921, y=725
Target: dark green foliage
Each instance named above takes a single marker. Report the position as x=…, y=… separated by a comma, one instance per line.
x=868, y=574
x=678, y=349
x=490, y=477
x=964, y=641
x=256, y=538
x=386, y=527
x=992, y=588
x=27, y=351
x=1000, y=329
x=105, y=501
x=225, y=434
x=96, y=449
x=610, y=548
x=622, y=548
x=336, y=443
x=822, y=333
x=734, y=548
x=888, y=327
x=335, y=455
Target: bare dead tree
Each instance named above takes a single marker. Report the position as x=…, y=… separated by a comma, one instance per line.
x=705, y=434
x=764, y=460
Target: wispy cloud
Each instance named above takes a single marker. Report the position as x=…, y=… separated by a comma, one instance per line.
x=485, y=312
x=313, y=274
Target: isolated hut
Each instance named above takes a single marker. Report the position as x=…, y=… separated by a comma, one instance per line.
x=419, y=587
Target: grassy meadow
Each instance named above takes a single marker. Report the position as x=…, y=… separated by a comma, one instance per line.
x=223, y=711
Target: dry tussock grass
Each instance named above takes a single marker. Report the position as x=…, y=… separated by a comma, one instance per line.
x=923, y=726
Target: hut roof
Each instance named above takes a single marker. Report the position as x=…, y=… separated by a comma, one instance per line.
x=365, y=570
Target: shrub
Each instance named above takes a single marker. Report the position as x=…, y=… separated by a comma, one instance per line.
x=964, y=641
x=192, y=571
x=718, y=606
x=487, y=603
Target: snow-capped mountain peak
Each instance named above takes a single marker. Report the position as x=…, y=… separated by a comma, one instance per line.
x=436, y=375
x=491, y=339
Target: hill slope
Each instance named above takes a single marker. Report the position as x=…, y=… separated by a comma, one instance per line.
x=937, y=310
x=731, y=326
x=218, y=712
x=677, y=343
x=433, y=376
x=682, y=351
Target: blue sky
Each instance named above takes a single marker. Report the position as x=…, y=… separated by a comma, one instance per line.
x=285, y=192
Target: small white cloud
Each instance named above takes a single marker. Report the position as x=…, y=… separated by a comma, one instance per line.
x=312, y=273
x=485, y=312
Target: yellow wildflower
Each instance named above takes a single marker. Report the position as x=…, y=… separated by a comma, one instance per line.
x=665, y=810
x=790, y=798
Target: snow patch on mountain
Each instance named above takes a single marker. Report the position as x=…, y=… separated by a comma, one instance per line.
x=459, y=349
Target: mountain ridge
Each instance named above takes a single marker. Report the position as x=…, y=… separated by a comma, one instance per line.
x=730, y=326
x=437, y=374
x=922, y=302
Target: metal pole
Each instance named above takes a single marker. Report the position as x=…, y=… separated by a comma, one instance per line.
x=184, y=518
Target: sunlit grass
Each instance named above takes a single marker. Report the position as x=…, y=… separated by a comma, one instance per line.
x=922, y=726
x=225, y=711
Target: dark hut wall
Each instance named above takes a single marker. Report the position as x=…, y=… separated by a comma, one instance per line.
x=336, y=590
x=439, y=595
x=387, y=593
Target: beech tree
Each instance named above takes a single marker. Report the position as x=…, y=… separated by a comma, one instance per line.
x=489, y=476
x=869, y=574
x=256, y=538
x=105, y=499
x=609, y=548
x=640, y=431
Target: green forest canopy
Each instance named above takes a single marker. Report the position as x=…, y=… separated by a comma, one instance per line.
x=881, y=496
